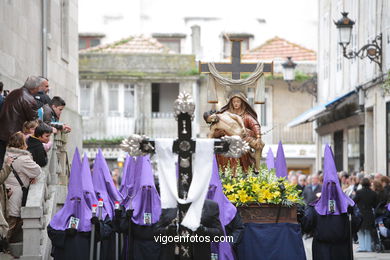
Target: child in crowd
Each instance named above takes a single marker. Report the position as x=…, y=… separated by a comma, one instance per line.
x=29, y=130
x=25, y=170
x=52, y=113
x=36, y=141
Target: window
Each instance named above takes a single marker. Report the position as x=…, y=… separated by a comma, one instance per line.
x=113, y=95
x=128, y=100
x=163, y=96
x=85, y=99
x=82, y=44
x=155, y=97
x=172, y=44
x=94, y=42
x=65, y=29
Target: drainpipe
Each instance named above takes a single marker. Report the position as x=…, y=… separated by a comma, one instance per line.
x=44, y=38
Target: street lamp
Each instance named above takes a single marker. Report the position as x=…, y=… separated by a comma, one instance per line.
x=289, y=70
x=309, y=86
x=371, y=50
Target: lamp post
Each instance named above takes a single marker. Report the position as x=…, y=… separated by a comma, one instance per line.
x=372, y=50
x=309, y=86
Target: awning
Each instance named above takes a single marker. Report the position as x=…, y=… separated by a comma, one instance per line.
x=307, y=116
x=313, y=113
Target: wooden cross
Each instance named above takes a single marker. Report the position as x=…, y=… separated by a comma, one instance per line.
x=235, y=66
x=184, y=146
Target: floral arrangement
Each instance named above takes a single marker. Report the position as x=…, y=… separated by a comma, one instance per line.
x=264, y=187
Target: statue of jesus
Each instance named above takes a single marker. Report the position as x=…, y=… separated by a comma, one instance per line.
x=237, y=117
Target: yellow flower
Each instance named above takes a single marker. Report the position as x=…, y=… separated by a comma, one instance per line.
x=255, y=187
x=241, y=192
x=232, y=197
x=244, y=198
x=292, y=197
x=228, y=188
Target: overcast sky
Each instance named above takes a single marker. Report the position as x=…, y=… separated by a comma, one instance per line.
x=294, y=20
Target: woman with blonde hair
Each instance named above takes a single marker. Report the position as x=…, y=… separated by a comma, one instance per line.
x=24, y=171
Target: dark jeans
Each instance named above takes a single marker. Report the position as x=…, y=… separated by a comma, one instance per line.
x=3, y=146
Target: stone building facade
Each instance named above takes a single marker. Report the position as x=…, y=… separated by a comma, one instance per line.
x=129, y=87
x=353, y=106
x=40, y=38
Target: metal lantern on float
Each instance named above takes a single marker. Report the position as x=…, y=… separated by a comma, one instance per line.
x=344, y=25
x=289, y=70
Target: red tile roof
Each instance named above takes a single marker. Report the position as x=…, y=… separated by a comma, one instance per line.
x=134, y=44
x=278, y=48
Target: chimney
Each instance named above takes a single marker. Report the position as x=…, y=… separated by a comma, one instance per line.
x=196, y=49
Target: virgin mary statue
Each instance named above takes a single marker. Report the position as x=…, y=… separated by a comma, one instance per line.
x=238, y=104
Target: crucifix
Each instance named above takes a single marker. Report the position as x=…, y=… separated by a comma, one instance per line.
x=185, y=146
x=235, y=66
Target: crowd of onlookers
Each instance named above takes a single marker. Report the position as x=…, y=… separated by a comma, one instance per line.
x=28, y=118
x=371, y=193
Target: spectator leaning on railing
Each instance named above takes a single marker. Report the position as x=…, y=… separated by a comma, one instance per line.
x=24, y=172
x=52, y=113
x=18, y=107
x=35, y=143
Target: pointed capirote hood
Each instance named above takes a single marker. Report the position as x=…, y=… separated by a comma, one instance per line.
x=127, y=175
x=331, y=193
x=131, y=180
x=270, y=160
x=80, y=197
x=104, y=185
x=146, y=202
x=227, y=212
x=280, y=162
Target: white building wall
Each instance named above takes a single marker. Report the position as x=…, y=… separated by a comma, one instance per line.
x=372, y=18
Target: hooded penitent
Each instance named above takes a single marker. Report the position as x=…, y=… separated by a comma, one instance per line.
x=128, y=172
x=333, y=200
x=81, y=196
x=280, y=162
x=104, y=185
x=227, y=212
x=270, y=160
x=146, y=202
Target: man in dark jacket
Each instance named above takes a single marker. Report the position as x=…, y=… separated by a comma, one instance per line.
x=210, y=225
x=41, y=97
x=35, y=143
x=366, y=200
x=1, y=95
x=18, y=107
x=310, y=191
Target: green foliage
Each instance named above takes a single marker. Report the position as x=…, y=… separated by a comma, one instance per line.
x=112, y=141
x=386, y=85
x=300, y=76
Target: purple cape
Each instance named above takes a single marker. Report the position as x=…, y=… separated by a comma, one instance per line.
x=331, y=190
x=131, y=180
x=146, y=202
x=270, y=160
x=104, y=185
x=280, y=162
x=388, y=207
x=227, y=212
x=128, y=170
x=79, y=199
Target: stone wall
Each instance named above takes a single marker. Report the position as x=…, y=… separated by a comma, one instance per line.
x=136, y=65
x=21, y=51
